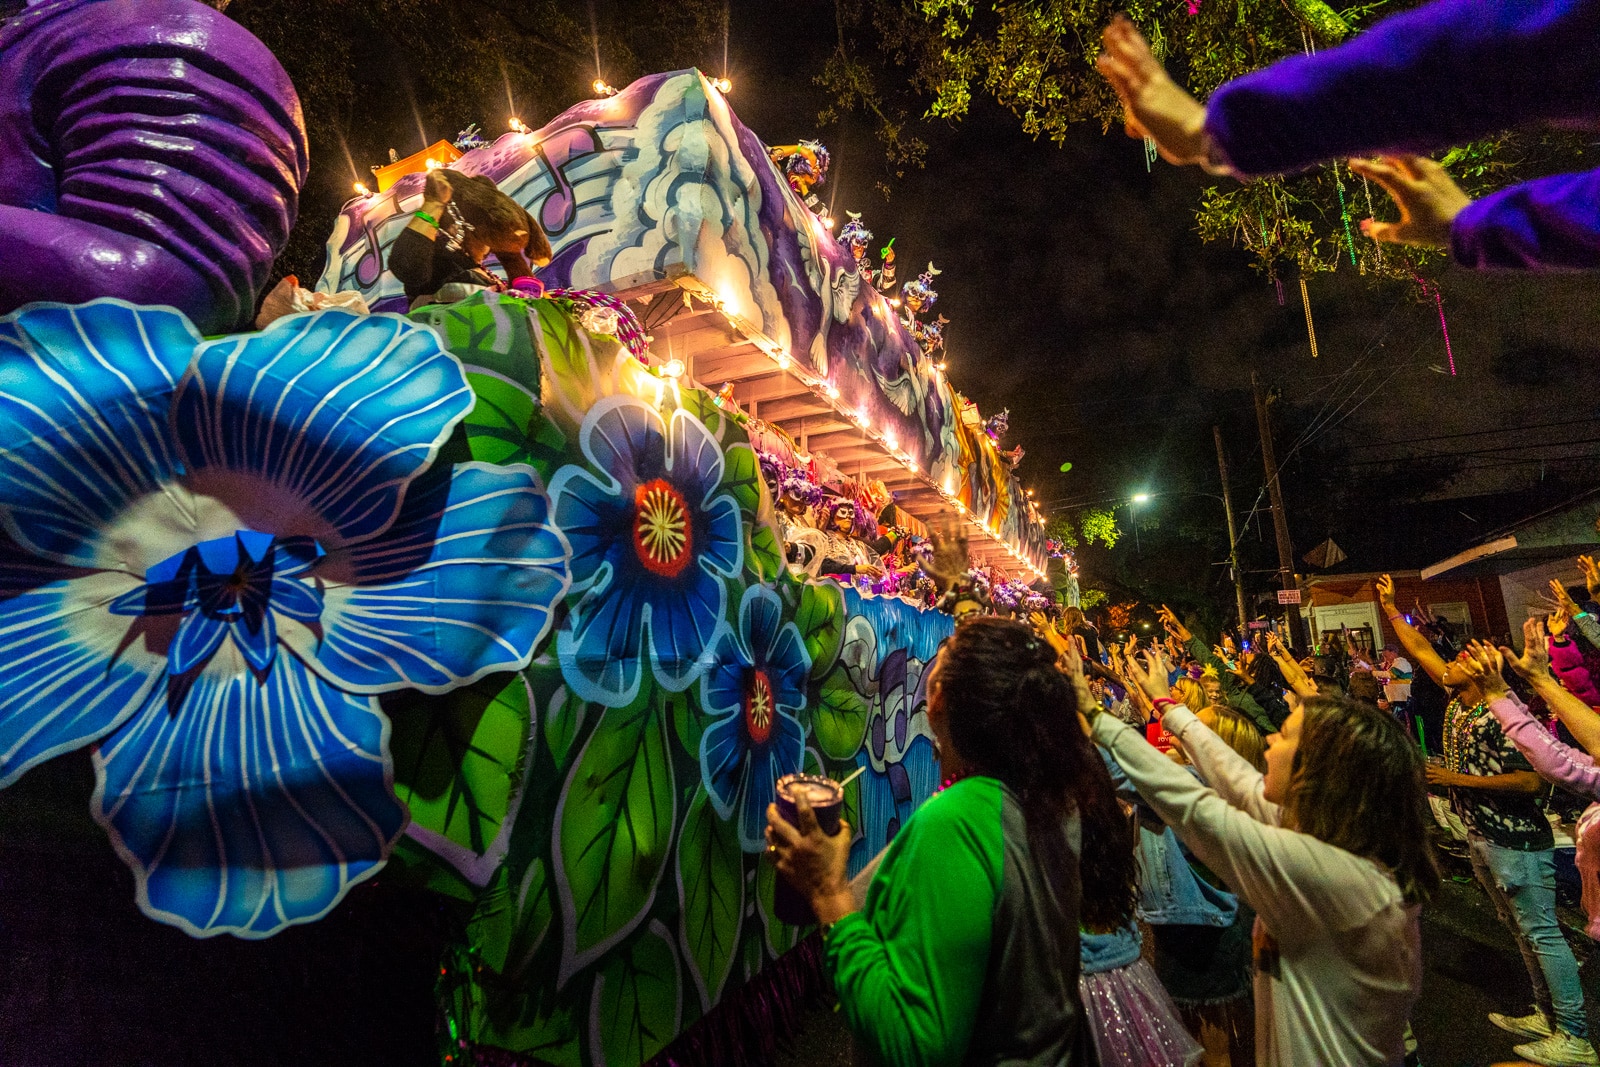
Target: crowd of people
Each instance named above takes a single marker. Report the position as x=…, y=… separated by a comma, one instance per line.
x=1268, y=821
x=1160, y=855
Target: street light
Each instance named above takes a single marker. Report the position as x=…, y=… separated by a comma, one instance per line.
x=1141, y=498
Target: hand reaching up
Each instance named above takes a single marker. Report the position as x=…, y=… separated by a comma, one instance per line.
x=1428, y=198
x=1176, y=628
x=1483, y=663
x=1154, y=106
x=1153, y=674
x=1591, y=575
x=1534, y=663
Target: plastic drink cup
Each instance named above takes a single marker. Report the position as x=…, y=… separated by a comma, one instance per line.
x=827, y=801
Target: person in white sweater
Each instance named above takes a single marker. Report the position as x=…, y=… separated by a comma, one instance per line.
x=1328, y=847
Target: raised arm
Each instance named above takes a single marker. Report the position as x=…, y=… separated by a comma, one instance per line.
x=1554, y=761
x=1416, y=646
x=1534, y=667
x=1285, y=876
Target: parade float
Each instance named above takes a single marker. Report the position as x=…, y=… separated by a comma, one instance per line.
x=489, y=595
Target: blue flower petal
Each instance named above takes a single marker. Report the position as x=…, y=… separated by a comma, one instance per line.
x=72, y=674
x=723, y=766
x=598, y=646
x=296, y=599
x=460, y=586
x=788, y=664
x=696, y=457
x=781, y=755
x=257, y=637
x=722, y=686
x=595, y=520
x=684, y=620
x=625, y=437
x=335, y=412
x=760, y=619
x=200, y=634
x=84, y=395
x=252, y=805
x=723, y=548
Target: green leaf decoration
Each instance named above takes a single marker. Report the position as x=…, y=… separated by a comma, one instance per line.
x=711, y=888
x=512, y=919
x=741, y=476
x=763, y=552
x=529, y=1020
x=614, y=827
x=413, y=867
x=852, y=806
x=781, y=937
x=637, y=1001
x=563, y=723
x=820, y=617
x=702, y=405
x=570, y=359
x=841, y=722
x=502, y=419
x=458, y=757
x=689, y=721
x=489, y=332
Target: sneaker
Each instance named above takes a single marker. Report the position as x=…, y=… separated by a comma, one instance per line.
x=1560, y=1049
x=1533, y=1025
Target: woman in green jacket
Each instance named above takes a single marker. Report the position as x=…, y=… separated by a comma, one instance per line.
x=966, y=951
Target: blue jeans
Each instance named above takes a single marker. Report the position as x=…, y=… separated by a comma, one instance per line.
x=1523, y=888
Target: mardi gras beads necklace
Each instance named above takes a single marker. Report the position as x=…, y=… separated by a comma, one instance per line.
x=1458, y=733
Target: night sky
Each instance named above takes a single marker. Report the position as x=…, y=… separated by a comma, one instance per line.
x=1081, y=298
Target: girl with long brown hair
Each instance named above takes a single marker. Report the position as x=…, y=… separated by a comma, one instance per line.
x=1330, y=849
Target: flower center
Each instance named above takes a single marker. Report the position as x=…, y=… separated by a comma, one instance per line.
x=758, y=709
x=662, y=533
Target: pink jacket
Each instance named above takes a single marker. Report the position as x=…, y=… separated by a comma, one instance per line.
x=1566, y=660
x=1574, y=770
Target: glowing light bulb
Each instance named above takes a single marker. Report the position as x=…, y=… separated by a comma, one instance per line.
x=517, y=126
x=911, y=464
x=939, y=366
x=781, y=358
x=602, y=89
x=722, y=85
x=894, y=301
x=362, y=190
x=432, y=164
x=890, y=439
x=672, y=368
x=861, y=416
x=831, y=389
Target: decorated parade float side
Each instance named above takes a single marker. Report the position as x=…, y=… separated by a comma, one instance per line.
x=488, y=595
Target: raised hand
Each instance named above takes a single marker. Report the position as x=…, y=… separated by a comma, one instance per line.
x=1153, y=674
x=1483, y=663
x=1563, y=599
x=1177, y=629
x=1591, y=575
x=1153, y=104
x=1385, y=589
x=1052, y=635
x=1534, y=663
x=1428, y=198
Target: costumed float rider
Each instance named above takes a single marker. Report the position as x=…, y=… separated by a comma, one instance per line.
x=463, y=218
x=845, y=555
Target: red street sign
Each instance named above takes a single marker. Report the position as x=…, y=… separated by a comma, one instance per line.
x=1288, y=596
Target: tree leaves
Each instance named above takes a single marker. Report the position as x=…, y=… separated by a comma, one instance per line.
x=458, y=757
x=613, y=830
x=511, y=920
x=711, y=895
x=637, y=1001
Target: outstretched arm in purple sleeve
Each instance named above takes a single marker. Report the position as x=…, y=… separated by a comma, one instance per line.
x=1556, y=762
x=1442, y=74
x=152, y=151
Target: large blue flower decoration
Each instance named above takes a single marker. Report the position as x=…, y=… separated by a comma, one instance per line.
x=758, y=684
x=653, y=537
x=215, y=555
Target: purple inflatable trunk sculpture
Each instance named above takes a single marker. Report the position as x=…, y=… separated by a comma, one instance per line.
x=151, y=150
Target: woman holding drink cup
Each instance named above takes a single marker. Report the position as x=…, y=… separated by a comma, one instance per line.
x=967, y=948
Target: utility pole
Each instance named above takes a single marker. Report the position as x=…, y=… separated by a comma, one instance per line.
x=1233, y=537
x=1280, y=522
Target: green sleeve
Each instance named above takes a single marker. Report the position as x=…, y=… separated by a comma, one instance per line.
x=909, y=968
x=1237, y=695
